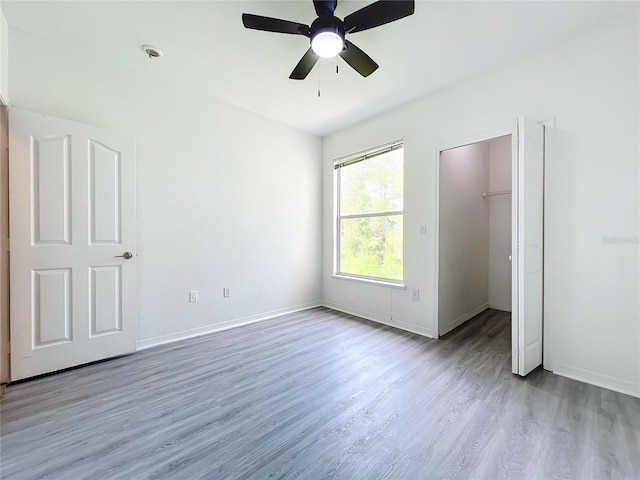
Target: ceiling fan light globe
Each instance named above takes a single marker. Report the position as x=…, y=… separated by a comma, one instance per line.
x=327, y=44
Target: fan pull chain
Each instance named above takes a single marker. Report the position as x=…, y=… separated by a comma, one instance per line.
x=337, y=65
x=318, y=82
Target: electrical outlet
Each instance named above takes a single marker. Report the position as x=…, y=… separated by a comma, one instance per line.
x=193, y=296
x=226, y=292
x=416, y=294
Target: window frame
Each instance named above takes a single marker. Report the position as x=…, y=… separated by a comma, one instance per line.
x=337, y=166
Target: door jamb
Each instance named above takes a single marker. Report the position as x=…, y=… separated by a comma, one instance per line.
x=5, y=345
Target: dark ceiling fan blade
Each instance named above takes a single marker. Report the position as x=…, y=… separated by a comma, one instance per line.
x=325, y=7
x=358, y=60
x=268, y=24
x=378, y=13
x=304, y=66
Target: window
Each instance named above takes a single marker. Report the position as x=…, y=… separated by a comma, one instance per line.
x=369, y=205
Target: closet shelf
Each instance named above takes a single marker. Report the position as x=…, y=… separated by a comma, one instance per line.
x=496, y=192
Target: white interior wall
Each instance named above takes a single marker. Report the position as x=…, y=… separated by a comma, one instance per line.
x=590, y=83
x=225, y=198
x=464, y=235
x=499, y=224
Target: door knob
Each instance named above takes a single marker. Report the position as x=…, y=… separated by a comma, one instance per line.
x=125, y=255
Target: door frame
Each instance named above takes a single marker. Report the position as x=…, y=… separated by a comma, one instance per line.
x=513, y=131
x=4, y=244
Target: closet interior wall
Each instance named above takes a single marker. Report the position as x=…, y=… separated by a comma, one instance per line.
x=500, y=223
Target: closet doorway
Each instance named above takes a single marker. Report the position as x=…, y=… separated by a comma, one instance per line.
x=490, y=231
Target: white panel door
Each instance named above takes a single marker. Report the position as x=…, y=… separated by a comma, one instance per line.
x=72, y=226
x=528, y=184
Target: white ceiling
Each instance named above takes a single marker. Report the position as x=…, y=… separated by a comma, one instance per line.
x=207, y=49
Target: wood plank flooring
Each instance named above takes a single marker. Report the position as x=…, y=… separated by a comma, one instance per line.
x=319, y=395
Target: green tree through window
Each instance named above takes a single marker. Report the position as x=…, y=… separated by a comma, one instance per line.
x=370, y=212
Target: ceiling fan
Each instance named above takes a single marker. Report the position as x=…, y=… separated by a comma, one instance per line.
x=327, y=32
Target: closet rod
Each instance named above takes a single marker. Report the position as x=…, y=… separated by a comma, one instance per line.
x=497, y=192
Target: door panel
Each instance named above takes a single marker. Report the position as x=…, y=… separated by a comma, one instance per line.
x=105, y=194
x=51, y=190
x=72, y=216
x=51, y=314
x=529, y=184
x=105, y=292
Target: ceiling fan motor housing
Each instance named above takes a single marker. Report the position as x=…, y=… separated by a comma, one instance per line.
x=327, y=23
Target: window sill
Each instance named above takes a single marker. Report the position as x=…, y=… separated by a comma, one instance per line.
x=370, y=281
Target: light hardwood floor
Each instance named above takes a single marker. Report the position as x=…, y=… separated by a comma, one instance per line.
x=319, y=395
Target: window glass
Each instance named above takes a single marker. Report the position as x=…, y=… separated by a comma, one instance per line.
x=370, y=215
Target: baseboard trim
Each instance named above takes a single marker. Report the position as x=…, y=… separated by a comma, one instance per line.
x=500, y=306
x=598, y=379
x=408, y=327
x=236, y=322
x=463, y=318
